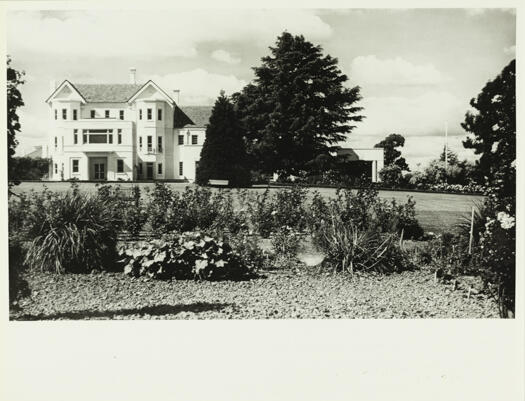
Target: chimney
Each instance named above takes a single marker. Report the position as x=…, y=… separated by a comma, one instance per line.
x=132, y=75
x=177, y=93
x=52, y=86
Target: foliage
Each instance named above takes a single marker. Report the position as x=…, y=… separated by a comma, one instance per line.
x=27, y=168
x=14, y=101
x=364, y=210
x=285, y=243
x=391, y=175
x=493, y=129
x=223, y=155
x=245, y=248
x=71, y=232
x=297, y=108
x=18, y=286
x=134, y=214
x=189, y=255
x=196, y=208
x=392, y=155
x=349, y=248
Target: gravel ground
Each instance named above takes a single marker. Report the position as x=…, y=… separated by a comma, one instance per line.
x=303, y=294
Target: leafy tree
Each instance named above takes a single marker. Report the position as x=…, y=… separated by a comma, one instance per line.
x=297, y=108
x=493, y=130
x=223, y=155
x=14, y=101
x=392, y=155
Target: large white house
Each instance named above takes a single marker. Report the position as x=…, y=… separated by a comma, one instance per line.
x=132, y=132
x=123, y=132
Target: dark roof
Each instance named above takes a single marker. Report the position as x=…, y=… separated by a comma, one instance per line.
x=110, y=93
x=192, y=116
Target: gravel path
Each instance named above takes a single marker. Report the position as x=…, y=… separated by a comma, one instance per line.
x=277, y=295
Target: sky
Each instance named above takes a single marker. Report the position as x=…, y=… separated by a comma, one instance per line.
x=417, y=68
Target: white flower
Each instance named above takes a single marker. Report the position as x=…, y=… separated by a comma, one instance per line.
x=494, y=146
x=506, y=221
x=496, y=99
x=274, y=212
x=495, y=127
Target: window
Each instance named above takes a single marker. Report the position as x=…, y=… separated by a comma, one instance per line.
x=75, y=114
x=159, y=144
x=140, y=114
x=75, y=138
x=120, y=166
x=56, y=168
x=106, y=114
x=98, y=138
x=194, y=139
x=119, y=138
x=56, y=114
x=84, y=138
x=159, y=114
x=150, y=143
x=150, y=113
x=92, y=113
x=181, y=139
x=140, y=142
x=74, y=166
x=110, y=137
x=159, y=168
x=121, y=114
x=181, y=169
x=64, y=114
x=56, y=142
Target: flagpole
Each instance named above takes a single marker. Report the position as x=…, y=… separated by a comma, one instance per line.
x=446, y=150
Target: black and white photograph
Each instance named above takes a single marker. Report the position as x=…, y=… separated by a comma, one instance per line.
x=267, y=164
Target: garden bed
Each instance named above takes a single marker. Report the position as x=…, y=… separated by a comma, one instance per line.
x=279, y=294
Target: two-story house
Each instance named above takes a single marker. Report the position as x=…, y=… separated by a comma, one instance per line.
x=123, y=132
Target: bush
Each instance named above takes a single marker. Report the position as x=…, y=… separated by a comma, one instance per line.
x=18, y=286
x=71, y=232
x=349, y=248
x=190, y=255
x=246, y=249
x=134, y=214
x=285, y=243
x=391, y=175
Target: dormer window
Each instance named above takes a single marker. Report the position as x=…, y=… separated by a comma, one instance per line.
x=121, y=114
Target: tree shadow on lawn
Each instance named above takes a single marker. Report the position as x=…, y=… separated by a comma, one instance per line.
x=155, y=310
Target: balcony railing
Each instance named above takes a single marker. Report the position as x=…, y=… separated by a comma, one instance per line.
x=150, y=150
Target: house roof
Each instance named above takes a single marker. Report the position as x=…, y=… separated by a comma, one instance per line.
x=192, y=116
x=107, y=93
x=35, y=153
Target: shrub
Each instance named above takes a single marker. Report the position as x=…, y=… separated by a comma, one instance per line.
x=18, y=286
x=134, y=214
x=72, y=232
x=285, y=242
x=349, y=248
x=190, y=255
x=391, y=175
x=246, y=249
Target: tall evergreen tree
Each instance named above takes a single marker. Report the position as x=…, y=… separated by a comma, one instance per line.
x=14, y=101
x=493, y=129
x=297, y=107
x=223, y=155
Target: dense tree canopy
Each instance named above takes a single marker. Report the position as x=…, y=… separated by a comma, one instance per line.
x=297, y=108
x=223, y=155
x=392, y=155
x=493, y=129
x=27, y=168
x=14, y=101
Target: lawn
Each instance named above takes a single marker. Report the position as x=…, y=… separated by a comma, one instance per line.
x=275, y=294
x=435, y=212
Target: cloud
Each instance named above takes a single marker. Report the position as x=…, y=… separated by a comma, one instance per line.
x=169, y=33
x=510, y=50
x=198, y=86
x=398, y=71
x=225, y=57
